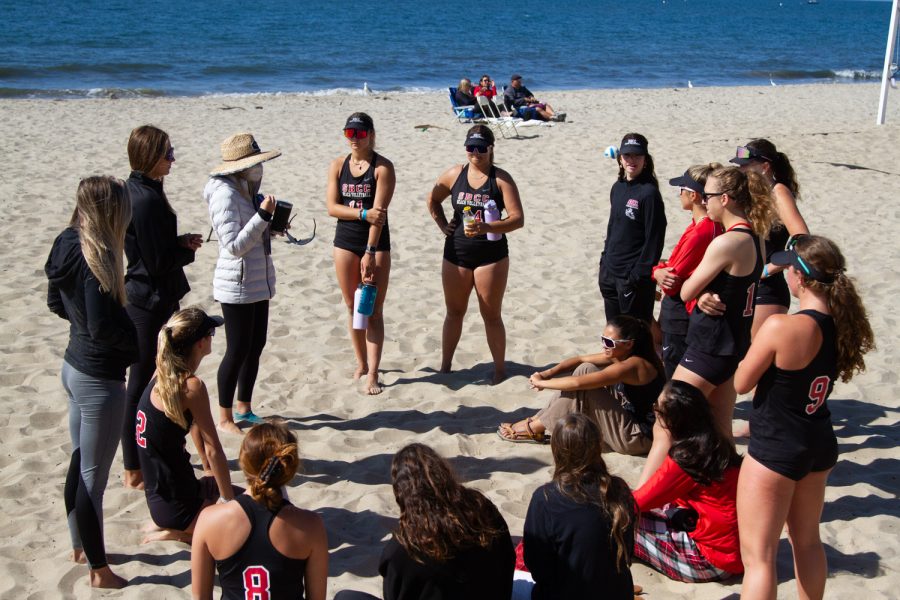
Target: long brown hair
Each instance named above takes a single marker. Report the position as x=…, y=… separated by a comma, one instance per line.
x=269, y=459
x=752, y=193
x=854, y=333
x=581, y=474
x=146, y=146
x=102, y=214
x=172, y=356
x=438, y=515
x=781, y=166
x=648, y=173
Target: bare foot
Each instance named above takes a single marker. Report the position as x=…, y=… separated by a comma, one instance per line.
x=499, y=376
x=78, y=556
x=150, y=527
x=741, y=429
x=373, y=386
x=445, y=368
x=105, y=578
x=360, y=371
x=165, y=535
x=229, y=427
x=133, y=479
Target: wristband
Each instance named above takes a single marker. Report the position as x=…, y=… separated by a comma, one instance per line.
x=765, y=272
x=371, y=249
x=362, y=215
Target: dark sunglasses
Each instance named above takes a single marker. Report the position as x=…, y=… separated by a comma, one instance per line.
x=707, y=195
x=610, y=344
x=351, y=133
x=477, y=149
x=211, y=332
x=170, y=154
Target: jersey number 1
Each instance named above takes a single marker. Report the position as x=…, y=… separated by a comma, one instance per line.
x=139, y=429
x=748, y=309
x=256, y=583
x=818, y=389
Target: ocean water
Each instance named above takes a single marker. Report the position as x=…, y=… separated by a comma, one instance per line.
x=84, y=48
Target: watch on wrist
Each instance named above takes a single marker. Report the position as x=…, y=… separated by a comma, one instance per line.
x=371, y=249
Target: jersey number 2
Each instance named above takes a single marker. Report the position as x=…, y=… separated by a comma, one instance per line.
x=256, y=583
x=751, y=296
x=139, y=429
x=818, y=389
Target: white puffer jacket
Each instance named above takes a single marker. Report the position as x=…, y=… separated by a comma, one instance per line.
x=244, y=272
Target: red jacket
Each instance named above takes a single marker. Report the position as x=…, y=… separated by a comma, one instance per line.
x=688, y=253
x=716, y=534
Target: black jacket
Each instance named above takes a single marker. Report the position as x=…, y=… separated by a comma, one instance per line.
x=636, y=230
x=154, y=278
x=102, y=338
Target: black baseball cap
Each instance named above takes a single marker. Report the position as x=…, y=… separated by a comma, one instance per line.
x=632, y=145
x=790, y=258
x=515, y=76
x=480, y=139
x=360, y=121
x=686, y=181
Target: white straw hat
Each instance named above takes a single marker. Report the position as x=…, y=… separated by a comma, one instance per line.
x=240, y=152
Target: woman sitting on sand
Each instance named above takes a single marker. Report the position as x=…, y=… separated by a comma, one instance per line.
x=688, y=527
x=579, y=529
x=616, y=388
x=450, y=541
x=360, y=188
x=793, y=364
x=87, y=288
x=261, y=545
x=174, y=403
x=471, y=258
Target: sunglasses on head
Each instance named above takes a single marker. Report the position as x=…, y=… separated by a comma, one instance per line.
x=170, y=154
x=477, y=149
x=351, y=133
x=610, y=344
x=749, y=153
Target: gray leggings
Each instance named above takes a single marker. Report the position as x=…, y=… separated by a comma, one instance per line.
x=96, y=409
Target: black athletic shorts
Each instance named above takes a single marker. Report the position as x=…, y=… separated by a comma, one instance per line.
x=797, y=465
x=475, y=254
x=714, y=369
x=773, y=290
x=179, y=513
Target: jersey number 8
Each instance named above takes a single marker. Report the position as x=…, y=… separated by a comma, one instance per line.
x=256, y=583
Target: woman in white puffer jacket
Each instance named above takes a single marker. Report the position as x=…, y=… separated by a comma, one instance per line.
x=245, y=276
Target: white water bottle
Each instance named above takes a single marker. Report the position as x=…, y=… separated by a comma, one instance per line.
x=360, y=321
x=491, y=214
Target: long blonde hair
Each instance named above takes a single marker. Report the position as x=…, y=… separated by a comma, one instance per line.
x=102, y=214
x=172, y=356
x=752, y=193
x=853, y=331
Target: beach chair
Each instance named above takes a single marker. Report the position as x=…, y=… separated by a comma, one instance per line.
x=464, y=114
x=504, y=125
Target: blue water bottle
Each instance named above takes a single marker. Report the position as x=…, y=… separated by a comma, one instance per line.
x=367, y=299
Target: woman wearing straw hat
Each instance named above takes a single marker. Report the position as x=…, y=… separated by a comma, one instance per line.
x=245, y=276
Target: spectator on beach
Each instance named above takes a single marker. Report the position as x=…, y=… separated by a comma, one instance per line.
x=464, y=95
x=174, y=404
x=486, y=87
x=687, y=254
x=635, y=234
x=579, y=530
x=688, y=527
x=717, y=339
x=244, y=280
x=519, y=98
x=87, y=288
x=450, y=540
x=154, y=278
x=616, y=388
x=476, y=254
x=359, y=191
x=793, y=364
x=261, y=545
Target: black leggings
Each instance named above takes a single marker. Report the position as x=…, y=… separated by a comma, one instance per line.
x=147, y=323
x=246, y=326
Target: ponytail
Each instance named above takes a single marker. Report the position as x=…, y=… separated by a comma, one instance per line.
x=173, y=350
x=269, y=459
x=752, y=193
x=781, y=165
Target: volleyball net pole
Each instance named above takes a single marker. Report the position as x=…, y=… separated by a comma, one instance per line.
x=888, y=56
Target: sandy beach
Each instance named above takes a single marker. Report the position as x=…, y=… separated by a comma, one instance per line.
x=849, y=172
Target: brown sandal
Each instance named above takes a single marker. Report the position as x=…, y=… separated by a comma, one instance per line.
x=521, y=437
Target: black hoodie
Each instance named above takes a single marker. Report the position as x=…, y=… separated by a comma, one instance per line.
x=102, y=338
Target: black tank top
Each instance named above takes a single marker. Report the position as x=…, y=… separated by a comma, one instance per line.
x=639, y=399
x=728, y=334
x=789, y=407
x=258, y=570
x=165, y=462
x=359, y=192
x=462, y=195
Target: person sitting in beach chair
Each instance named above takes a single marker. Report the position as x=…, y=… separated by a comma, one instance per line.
x=519, y=99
